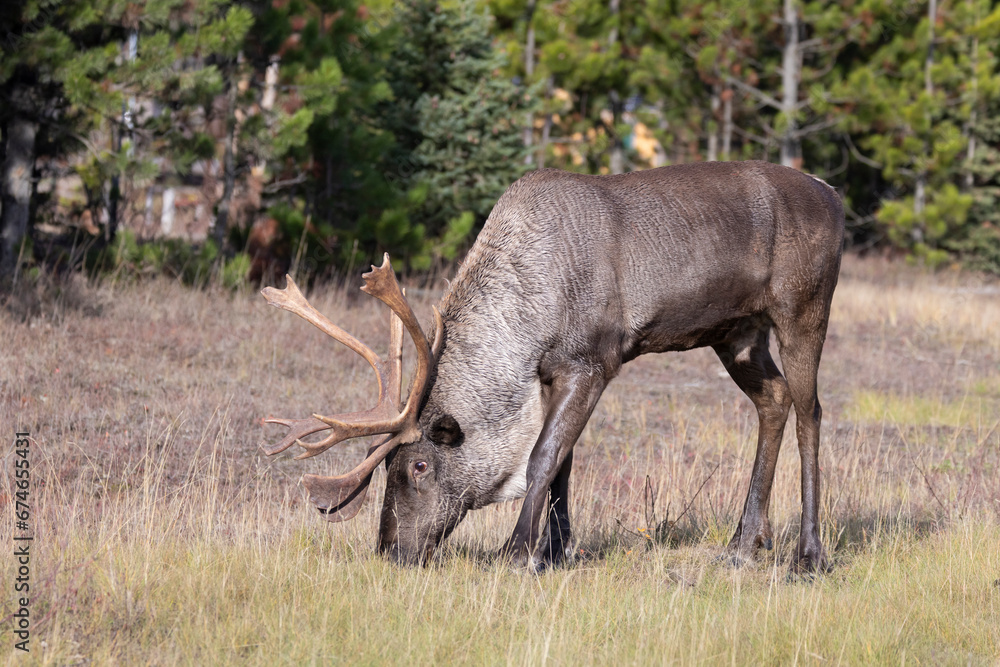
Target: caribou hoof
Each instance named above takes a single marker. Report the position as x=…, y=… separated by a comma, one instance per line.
x=556, y=552
x=518, y=558
x=742, y=550
x=522, y=562
x=809, y=560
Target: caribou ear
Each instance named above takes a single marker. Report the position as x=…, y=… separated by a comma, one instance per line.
x=446, y=431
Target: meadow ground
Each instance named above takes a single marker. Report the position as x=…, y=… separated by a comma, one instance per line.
x=163, y=536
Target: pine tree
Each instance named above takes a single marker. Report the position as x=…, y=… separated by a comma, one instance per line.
x=710, y=45
x=456, y=120
x=92, y=69
x=913, y=114
x=978, y=243
x=202, y=49
x=328, y=157
x=42, y=102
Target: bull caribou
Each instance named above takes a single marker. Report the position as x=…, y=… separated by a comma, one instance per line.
x=571, y=277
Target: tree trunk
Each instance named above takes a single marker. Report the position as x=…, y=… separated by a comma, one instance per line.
x=616, y=163
x=270, y=84
x=929, y=59
x=546, y=130
x=17, y=171
x=727, y=122
x=614, y=6
x=111, y=205
x=919, y=202
x=791, y=145
x=529, y=70
x=713, y=125
x=112, y=195
x=113, y=199
x=229, y=170
x=920, y=188
x=970, y=152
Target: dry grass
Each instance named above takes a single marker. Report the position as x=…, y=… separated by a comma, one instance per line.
x=163, y=537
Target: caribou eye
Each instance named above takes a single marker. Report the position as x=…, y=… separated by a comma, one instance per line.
x=420, y=467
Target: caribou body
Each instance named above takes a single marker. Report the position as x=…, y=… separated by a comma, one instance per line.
x=571, y=277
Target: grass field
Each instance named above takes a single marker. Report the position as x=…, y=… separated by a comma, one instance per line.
x=163, y=536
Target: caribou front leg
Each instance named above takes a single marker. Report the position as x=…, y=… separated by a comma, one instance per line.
x=557, y=539
x=574, y=395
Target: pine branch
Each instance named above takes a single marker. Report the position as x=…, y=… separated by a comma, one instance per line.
x=753, y=91
x=814, y=127
x=751, y=136
x=858, y=156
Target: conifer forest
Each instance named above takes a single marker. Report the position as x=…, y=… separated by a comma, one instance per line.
x=217, y=139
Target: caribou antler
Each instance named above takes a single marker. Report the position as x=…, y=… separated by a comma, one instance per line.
x=341, y=497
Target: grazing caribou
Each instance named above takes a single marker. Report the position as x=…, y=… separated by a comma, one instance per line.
x=571, y=277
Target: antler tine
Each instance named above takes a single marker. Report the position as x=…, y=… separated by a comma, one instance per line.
x=438, y=333
x=379, y=419
x=381, y=283
x=345, y=426
x=394, y=361
x=371, y=461
x=291, y=299
x=344, y=430
x=384, y=417
x=300, y=429
x=341, y=497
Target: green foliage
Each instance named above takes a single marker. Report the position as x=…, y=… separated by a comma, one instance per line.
x=980, y=248
x=455, y=234
x=396, y=126
x=455, y=116
x=915, y=117
x=927, y=234
x=308, y=242
x=330, y=140
x=118, y=115
x=194, y=265
x=234, y=271
x=200, y=54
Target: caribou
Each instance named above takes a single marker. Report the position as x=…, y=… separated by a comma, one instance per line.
x=572, y=276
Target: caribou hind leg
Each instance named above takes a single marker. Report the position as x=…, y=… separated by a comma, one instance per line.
x=748, y=360
x=801, y=347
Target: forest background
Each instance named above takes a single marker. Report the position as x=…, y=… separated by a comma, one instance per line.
x=316, y=134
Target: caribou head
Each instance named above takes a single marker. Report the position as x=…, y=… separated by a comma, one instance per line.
x=415, y=498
